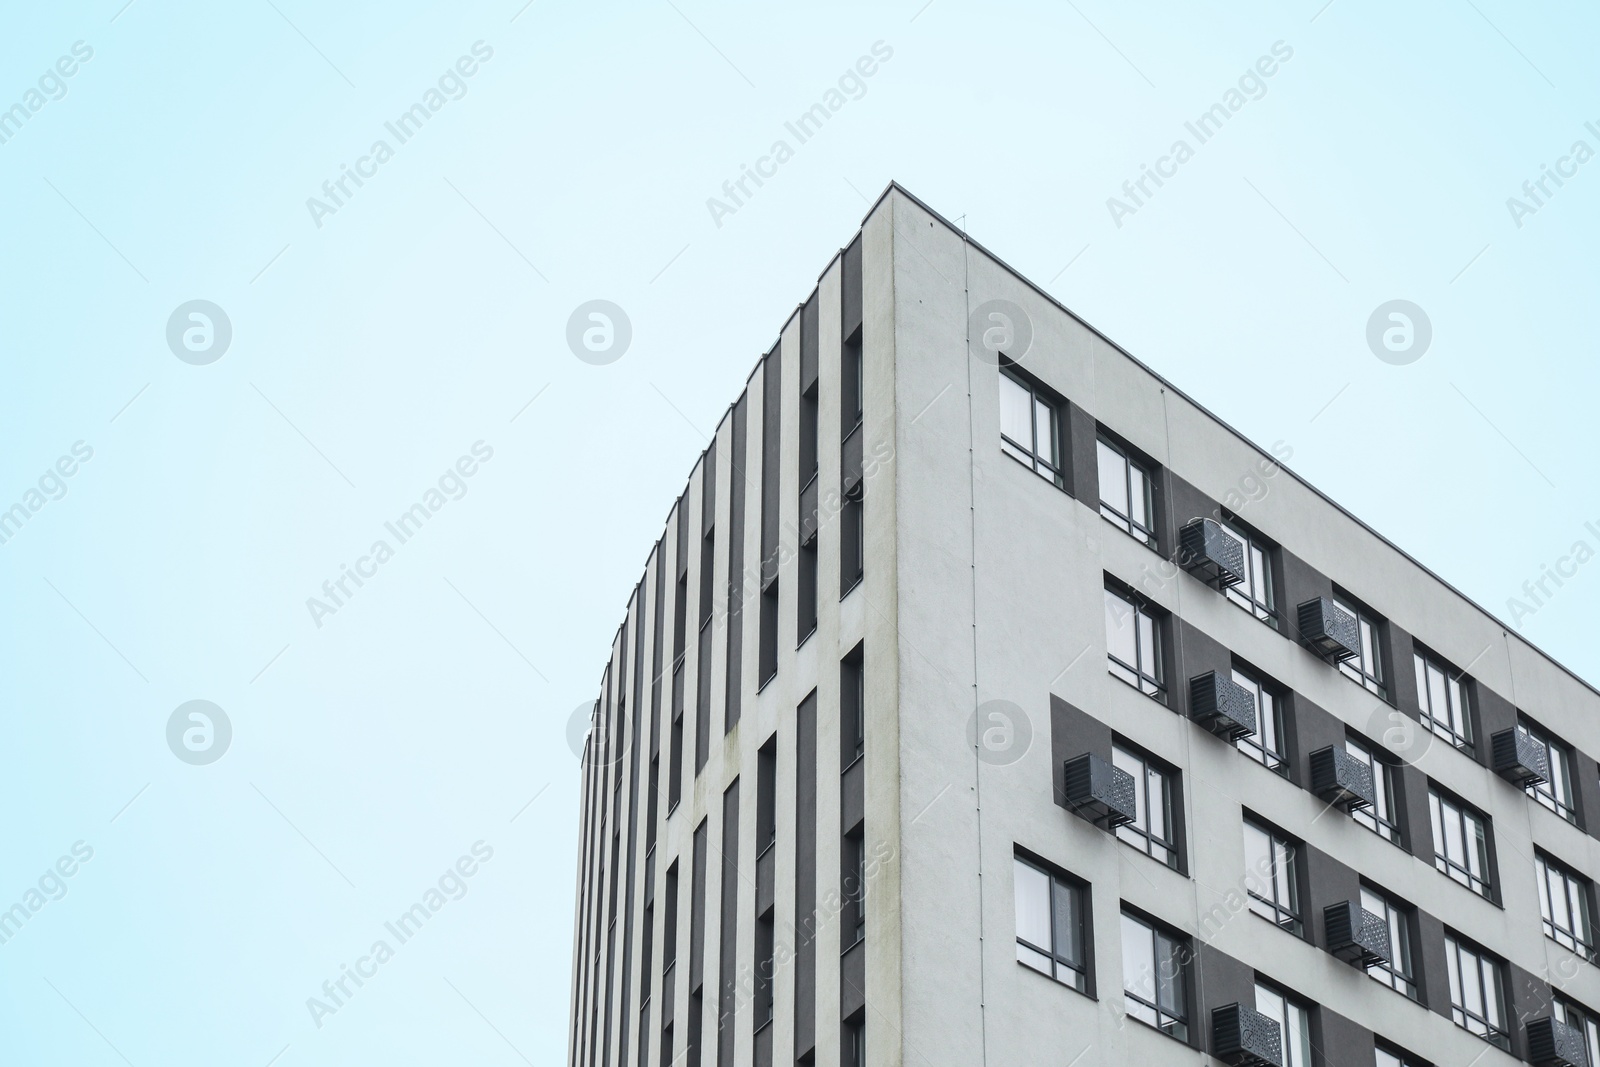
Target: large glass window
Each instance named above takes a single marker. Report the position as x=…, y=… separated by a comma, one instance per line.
x=1460, y=843
x=1266, y=745
x=1029, y=427
x=1477, y=991
x=1254, y=594
x=1154, y=978
x=1564, y=906
x=1365, y=668
x=1294, y=1025
x=1555, y=792
x=1152, y=829
x=1051, y=925
x=1272, y=877
x=1126, y=498
x=1397, y=973
x=1381, y=818
x=1442, y=697
x=1133, y=644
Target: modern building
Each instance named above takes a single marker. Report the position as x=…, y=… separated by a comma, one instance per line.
x=986, y=701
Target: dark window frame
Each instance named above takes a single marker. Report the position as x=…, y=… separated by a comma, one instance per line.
x=1148, y=678
x=1367, y=668
x=1175, y=959
x=1079, y=973
x=1130, y=460
x=1052, y=469
x=1456, y=686
x=1168, y=849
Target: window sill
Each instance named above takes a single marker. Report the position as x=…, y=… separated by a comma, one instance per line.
x=1159, y=698
x=806, y=637
x=766, y=681
x=860, y=940
x=1031, y=469
x=855, y=584
x=1155, y=547
x=1152, y=1026
x=1064, y=985
x=846, y=768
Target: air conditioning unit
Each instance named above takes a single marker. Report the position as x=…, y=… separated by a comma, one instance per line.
x=1099, y=792
x=1329, y=630
x=1211, y=554
x=1519, y=759
x=1553, y=1044
x=1355, y=935
x=1222, y=706
x=1341, y=779
x=1245, y=1038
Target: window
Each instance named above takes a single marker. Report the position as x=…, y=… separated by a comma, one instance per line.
x=1294, y=1025
x=1365, y=668
x=1442, y=698
x=1384, y=1057
x=853, y=1041
x=1477, y=991
x=1151, y=831
x=1555, y=792
x=1153, y=977
x=1052, y=925
x=1460, y=843
x=1029, y=427
x=1568, y=1012
x=1382, y=818
x=1133, y=644
x=1397, y=973
x=1272, y=877
x=853, y=881
x=1266, y=745
x=1564, y=906
x=1254, y=594
x=1126, y=499
x=852, y=708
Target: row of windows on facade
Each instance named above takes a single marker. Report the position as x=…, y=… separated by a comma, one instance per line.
x=1030, y=431
x=1053, y=938
x=1461, y=835
x=853, y=881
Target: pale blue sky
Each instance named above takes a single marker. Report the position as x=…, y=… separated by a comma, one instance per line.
x=371, y=353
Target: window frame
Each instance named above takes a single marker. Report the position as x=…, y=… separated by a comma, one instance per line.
x=1482, y=883
x=1456, y=686
x=1457, y=950
x=1396, y=1058
x=1387, y=825
x=1366, y=668
x=1575, y=888
x=1143, y=532
x=1558, y=758
x=1283, y=853
x=1151, y=683
x=1258, y=560
x=1167, y=849
x=1398, y=974
x=1029, y=455
x=1175, y=962
x=1292, y=1053
x=1269, y=704
x=1074, y=974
